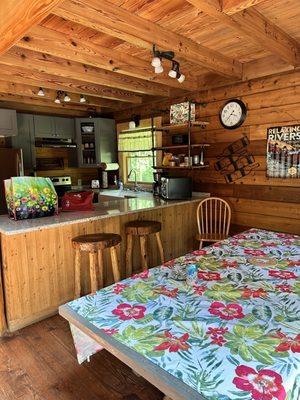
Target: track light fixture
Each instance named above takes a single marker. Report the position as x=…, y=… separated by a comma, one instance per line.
x=82, y=99
x=41, y=92
x=67, y=98
x=58, y=96
x=156, y=62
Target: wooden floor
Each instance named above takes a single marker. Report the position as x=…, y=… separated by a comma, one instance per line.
x=39, y=363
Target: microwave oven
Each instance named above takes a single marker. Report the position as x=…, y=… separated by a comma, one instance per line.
x=172, y=188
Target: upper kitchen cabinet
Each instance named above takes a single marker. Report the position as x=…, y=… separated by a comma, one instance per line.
x=54, y=127
x=96, y=141
x=8, y=123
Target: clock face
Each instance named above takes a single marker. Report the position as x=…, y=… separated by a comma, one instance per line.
x=233, y=114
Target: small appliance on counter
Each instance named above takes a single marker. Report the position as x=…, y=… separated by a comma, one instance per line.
x=62, y=184
x=156, y=183
x=173, y=188
x=108, y=175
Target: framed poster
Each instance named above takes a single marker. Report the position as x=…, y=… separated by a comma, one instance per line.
x=283, y=151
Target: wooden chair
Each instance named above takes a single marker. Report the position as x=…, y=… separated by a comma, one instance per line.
x=142, y=229
x=94, y=244
x=213, y=218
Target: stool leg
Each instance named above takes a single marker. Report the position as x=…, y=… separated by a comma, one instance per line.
x=129, y=255
x=144, y=257
x=93, y=271
x=100, y=268
x=115, y=264
x=77, y=274
x=160, y=247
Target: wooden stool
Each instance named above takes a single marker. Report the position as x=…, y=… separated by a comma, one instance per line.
x=94, y=244
x=142, y=229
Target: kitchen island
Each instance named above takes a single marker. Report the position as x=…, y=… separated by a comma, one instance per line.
x=37, y=259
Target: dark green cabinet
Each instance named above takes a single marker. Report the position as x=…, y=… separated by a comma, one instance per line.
x=54, y=127
x=25, y=140
x=8, y=122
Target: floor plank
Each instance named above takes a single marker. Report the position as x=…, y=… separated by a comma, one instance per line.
x=39, y=363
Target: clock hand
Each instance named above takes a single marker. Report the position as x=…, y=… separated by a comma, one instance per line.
x=229, y=116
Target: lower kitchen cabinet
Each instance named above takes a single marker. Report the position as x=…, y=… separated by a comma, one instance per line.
x=25, y=139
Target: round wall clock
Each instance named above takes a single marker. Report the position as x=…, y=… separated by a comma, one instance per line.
x=233, y=114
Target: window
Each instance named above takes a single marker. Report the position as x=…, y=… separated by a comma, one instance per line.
x=136, y=154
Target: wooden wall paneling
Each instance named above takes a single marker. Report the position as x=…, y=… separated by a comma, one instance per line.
x=143, y=33
x=74, y=70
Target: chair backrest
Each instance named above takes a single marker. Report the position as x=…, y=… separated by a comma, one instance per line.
x=213, y=216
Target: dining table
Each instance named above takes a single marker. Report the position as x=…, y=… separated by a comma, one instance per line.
x=231, y=333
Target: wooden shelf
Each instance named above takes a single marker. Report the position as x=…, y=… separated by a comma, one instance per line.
x=173, y=127
x=181, y=146
x=186, y=167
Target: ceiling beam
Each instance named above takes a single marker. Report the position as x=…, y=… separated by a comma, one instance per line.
x=23, y=75
x=54, y=65
x=234, y=6
x=50, y=94
x=59, y=44
x=116, y=21
x=18, y=16
x=21, y=107
x=47, y=103
x=257, y=28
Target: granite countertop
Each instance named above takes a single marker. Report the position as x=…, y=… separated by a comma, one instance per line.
x=110, y=204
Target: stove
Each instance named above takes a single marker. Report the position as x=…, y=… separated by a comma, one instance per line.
x=62, y=184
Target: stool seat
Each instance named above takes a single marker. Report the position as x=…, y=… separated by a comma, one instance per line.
x=141, y=228
x=96, y=241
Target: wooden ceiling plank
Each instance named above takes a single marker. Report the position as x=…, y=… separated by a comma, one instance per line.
x=59, y=66
x=18, y=16
x=230, y=7
x=115, y=21
x=257, y=28
x=29, y=108
x=50, y=94
x=49, y=41
x=28, y=76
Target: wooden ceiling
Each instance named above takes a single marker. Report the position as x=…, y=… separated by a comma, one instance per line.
x=102, y=49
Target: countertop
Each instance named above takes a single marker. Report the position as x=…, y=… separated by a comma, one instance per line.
x=110, y=204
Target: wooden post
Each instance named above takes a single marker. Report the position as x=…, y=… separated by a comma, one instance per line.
x=115, y=264
x=144, y=257
x=100, y=268
x=77, y=282
x=160, y=247
x=93, y=271
x=129, y=255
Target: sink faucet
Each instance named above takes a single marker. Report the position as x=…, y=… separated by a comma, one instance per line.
x=133, y=171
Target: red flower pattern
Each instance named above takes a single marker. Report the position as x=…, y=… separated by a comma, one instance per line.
x=218, y=340
x=216, y=331
x=254, y=252
x=263, y=385
x=227, y=312
x=199, y=289
x=282, y=274
x=125, y=311
x=141, y=275
x=288, y=343
x=173, y=343
x=166, y=292
x=209, y=276
x=119, y=287
x=199, y=252
x=110, y=331
x=229, y=264
x=248, y=293
x=284, y=288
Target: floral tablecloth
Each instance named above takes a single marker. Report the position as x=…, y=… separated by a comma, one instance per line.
x=234, y=335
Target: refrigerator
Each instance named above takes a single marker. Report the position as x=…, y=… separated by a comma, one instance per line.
x=11, y=164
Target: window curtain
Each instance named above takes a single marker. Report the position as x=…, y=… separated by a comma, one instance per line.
x=136, y=140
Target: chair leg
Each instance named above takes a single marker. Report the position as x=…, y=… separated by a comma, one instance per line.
x=100, y=268
x=129, y=255
x=93, y=271
x=160, y=247
x=144, y=257
x=115, y=264
x=77, y=283
x=200, y=244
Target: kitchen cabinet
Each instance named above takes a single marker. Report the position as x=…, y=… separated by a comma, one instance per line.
x=96, y=141
x=25, y=140
x=53, y=127
x=8, y=122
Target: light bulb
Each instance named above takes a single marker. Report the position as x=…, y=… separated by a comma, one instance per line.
x=158, y=70
x=41, y=92
x=172, y=73
x=67, y=98
x=57, y=100
x=82, y=99
x=156, y=62
x=181, y=78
